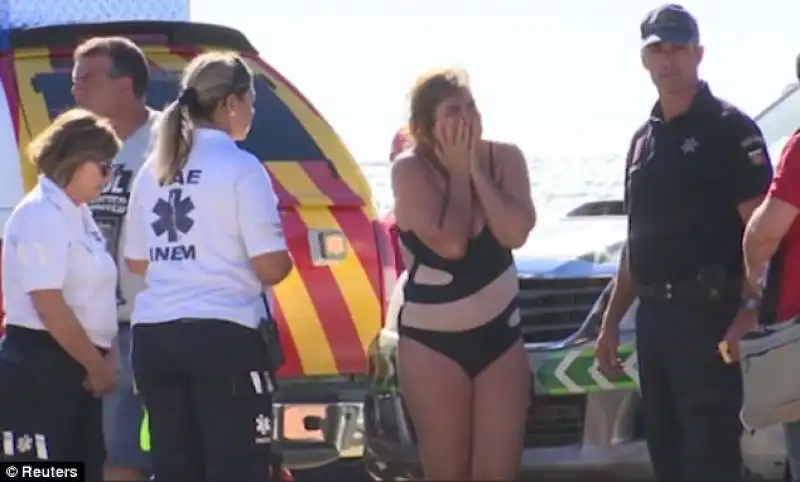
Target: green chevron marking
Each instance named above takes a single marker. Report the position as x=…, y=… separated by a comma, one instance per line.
x=554, y=379
x=578, y=371
x=545, y=373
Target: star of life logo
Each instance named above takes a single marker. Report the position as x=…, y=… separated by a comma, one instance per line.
x=23, y=444
x=263, y=429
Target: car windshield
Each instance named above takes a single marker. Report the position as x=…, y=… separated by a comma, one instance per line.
x=779, y=121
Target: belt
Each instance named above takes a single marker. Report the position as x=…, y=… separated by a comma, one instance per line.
x=690, y=290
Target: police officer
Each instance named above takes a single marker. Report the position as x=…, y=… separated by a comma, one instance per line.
x=203, y=225
x=58, y=359
x=110, y=78
x=695, y=172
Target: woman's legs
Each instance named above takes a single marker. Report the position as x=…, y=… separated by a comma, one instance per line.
x=438, y=395
x=501, y=398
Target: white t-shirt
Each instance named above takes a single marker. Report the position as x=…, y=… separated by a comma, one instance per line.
x=200, y=232
x=110, y=209
x=50, y=243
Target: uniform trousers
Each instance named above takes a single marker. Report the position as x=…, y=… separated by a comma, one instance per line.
x=208, y=391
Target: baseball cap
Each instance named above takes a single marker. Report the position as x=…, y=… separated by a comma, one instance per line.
x=669, y=23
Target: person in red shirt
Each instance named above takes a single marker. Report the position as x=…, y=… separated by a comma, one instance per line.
x=775, y=223
x=401, y=142
x=775, y=228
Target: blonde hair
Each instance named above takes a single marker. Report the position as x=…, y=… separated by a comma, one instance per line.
x=73, y=138
x=207, y=81
x=429, y=90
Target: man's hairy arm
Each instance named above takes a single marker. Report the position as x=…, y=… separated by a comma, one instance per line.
x=773, y=218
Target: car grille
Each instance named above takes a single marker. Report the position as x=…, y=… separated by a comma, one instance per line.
x=555, y=421
x=552, y=308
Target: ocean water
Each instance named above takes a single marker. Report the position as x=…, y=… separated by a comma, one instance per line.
x=558, y=183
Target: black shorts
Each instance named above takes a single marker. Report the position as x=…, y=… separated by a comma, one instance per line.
x=208, y=391
x=45, y=412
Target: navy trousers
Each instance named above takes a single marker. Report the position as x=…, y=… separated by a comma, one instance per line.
x=45, y=412
x=208, y=391
x=691, y=398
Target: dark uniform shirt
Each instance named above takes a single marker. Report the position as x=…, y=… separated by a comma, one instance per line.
x=684, y=181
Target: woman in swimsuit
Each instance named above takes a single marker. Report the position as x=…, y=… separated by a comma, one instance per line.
x=401, y=143
x=462, y=204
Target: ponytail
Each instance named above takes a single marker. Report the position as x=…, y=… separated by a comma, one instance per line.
x=175, y=138
x=207, y=81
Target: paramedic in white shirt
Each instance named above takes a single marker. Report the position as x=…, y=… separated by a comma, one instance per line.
x=110, y=78
x=58, y=359
x=203, y=225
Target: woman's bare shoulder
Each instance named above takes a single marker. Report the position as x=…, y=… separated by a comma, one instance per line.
x=407, y=167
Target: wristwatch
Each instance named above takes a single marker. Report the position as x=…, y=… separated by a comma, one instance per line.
x=751, y=303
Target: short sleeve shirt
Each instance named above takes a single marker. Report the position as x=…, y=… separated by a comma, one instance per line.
x=110, y=208
x=199, y=233
x=684, y=181
x=50, y=243
x=786, y=187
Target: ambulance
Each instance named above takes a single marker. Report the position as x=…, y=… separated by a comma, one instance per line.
x=331, y=307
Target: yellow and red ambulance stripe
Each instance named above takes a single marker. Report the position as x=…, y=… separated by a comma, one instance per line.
x=334, y=312
x=9, y=80
x=328, y=315
x=341, y=300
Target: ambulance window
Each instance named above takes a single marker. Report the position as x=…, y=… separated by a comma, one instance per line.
x=780, y=121
x=276, y=134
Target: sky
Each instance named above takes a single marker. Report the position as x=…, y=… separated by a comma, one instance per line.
x=561, y=77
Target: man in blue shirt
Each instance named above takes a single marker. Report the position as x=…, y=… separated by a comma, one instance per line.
x=695, y=172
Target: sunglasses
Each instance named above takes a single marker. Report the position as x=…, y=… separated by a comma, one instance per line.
x=104, y=167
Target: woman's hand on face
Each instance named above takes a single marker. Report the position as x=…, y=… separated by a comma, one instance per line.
x=454, y=145
x=476, y=129
x=476, y=132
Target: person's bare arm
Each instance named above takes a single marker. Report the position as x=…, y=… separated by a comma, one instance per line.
x=135, y=249
x=508, y=206
x=767, y=227
x=623, y=293
x=42, y=258
x=624, y=290
x=272, y=268
x=137, y=266
x=443, y=223
x=773, y=218
x=260, y=224
x=60, y=321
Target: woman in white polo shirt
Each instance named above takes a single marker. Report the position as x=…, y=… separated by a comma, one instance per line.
x=203, y=227
x=59, y=283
